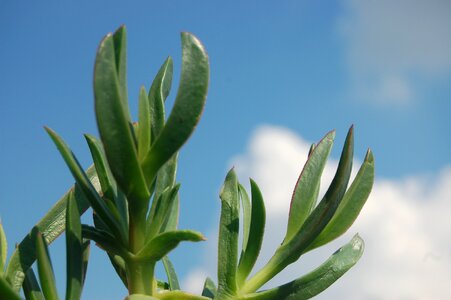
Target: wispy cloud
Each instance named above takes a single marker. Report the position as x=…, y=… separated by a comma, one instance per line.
x=389, y=44
x=405, y=224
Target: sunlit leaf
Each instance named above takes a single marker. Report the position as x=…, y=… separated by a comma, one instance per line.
x=3, y=249
x=45, y=269
x=6, y=291
x=209, y=289
x=144, y=124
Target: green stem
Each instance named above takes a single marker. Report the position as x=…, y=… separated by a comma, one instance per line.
x=271, y=269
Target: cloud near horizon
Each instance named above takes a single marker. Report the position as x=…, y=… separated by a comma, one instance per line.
x=404, y=225
x=389, y=45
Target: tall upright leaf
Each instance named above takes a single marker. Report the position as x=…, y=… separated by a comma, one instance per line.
x=228, y=236
x=31, y=288
x=3, y=249
x=45, y=269
x=188, y=106
x=115, y=128
x=120, y=53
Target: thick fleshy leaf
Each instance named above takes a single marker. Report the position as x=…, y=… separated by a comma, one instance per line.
x=319, y=279
x=228, y=236
x=158, y=93
x=115, y=129
x=45, y=269
x=97, y=203
x=166, y=175
x=3, y=249
x=107, y=182
x=188, y=106
x=86, y=250
x=170, y=273
x=119, y=266
x=7, y=291
x=120, y=53
x=51, y=226
x=163, y=243
x=171, y=221
x=256, y=232
x=289, y=252
x=247, y=211
x=31, y=288
x=209, y=289
x=179, y=295
x=140, y=297
x=351, y=205
x=144, y=124
x=307, y=187
x=74, y=251
x=160, y=211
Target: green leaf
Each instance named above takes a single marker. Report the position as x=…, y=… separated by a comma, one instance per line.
x=107, y=182
x=6, y=291
x=74, y=251
x=144, y=125
x=31, y=288
x=307, y=186
x=171, y=221
x=115, y=129
x=3, y=249
x=166, y=175
x=103, y=239
x=160, y=211
x=179, y=295
x=140, y=297
x=170, y=273
x=88, y=189
x=45, y=269
x=163, y=243
x=247, y=211
x=350, y=206
x=228, y=236
x=256, y=232
x=289, y=252
x=51, y=226
x=119, y=266
x=120, y=53
x=158, y=93
x=86, y=250
x=209, y=289
x=188, y=106
x=319, y=279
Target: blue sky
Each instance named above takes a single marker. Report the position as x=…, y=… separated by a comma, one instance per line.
x=294, y=68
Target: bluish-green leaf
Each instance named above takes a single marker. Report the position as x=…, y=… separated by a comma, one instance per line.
x=351, y=205
x=209, y=289
x=120, y=53
x=103, y=239
x=45, y=269
x=158, y=93
x=160, y=211
x=31, y=288
x=289, y=252
x=108, y=184
x=163, y=243
x=319, y=279
x=256, y=231
x=188, y=106
x=86, y=250
x=307, y=187
x=74, y=251
x=170, y=273
x=247, y=215
x=7, y=291
x=115, y=129
x=3, y=249
x=51, y=226
x=228, y=236
x=144, y=124
x=88, y=189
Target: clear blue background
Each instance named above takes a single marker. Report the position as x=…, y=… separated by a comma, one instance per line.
x=282, y=63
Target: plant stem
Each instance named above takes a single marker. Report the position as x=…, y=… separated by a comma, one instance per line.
x=140, y=274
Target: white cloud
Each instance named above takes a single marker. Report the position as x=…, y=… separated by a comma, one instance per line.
x=405, y=225
x=390, y=42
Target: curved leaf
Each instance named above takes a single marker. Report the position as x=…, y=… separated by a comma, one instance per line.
x=228, y=236
x=170, y=273
x=120, y=54
x=319, y=279
x=144, y=124
x=256, y=232
x=158, y=93
x=114, y=126
x=6, y=291
x=163, y=243
x=350, y=206
x=188, y=106
x=307, y=186
x=51, y=226
x=209, y=289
